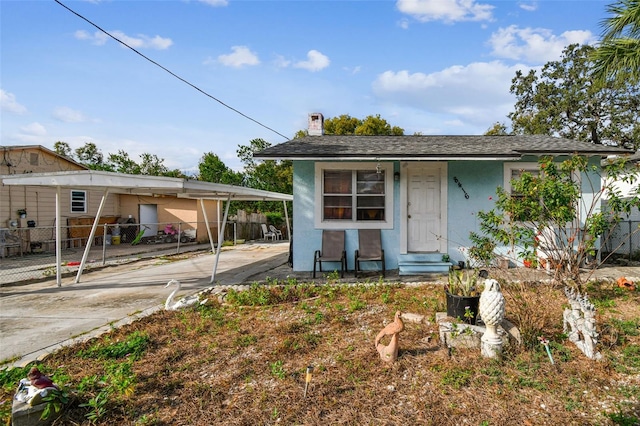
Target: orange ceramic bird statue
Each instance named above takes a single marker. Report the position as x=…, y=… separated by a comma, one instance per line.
x=389, y=353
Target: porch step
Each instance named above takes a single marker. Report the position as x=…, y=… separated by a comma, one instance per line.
x=422, y=263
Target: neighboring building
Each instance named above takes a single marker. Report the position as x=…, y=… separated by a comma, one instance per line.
x=79, y=206
x=39, y=203
x=630, y=188
x=624, y=237
x=423, y=192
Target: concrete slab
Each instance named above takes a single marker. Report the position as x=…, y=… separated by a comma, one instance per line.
x=38, y=318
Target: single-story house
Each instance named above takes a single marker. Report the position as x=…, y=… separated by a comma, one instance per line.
x=78, y=204
x=422, y=192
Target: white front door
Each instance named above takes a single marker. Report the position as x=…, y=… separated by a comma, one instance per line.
x=424, y=207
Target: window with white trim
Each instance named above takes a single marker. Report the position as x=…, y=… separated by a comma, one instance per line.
x=515, y=170
x=354, y=195
x=78, y=201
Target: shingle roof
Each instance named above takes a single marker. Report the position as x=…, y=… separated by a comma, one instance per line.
x=426, y=147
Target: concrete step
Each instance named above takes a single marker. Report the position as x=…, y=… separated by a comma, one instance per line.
x=422, y=263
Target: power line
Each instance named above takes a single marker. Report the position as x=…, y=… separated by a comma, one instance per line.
x=171, y=72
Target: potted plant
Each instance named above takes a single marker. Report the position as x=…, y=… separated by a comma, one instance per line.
x=22, y=213
x=463, y=295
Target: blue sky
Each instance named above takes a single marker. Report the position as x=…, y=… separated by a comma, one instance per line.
x=429, y=66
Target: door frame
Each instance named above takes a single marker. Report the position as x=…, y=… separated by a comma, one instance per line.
x=405, y=166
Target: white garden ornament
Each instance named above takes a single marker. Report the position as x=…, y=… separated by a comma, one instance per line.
x=492, y=306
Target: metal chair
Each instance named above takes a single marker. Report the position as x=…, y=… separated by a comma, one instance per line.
x=370, y=249
x=332, y=251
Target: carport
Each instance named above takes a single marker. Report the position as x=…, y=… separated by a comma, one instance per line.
x=118, y=183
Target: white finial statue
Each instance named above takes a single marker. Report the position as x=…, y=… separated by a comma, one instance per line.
x=491, y=309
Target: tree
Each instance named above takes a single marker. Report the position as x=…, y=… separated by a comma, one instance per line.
x=91, y=156
x=212, y=169
x=564, y=100
x=342, y=125
x=377, y=126
x=268, y=175
x=546, y=219
x=63, y=148
x=371, y=125
x=152, y=165
x=498, y=129
x=122, y=163
x=618, y=55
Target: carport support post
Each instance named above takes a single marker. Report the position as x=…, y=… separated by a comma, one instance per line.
x=58, y=242
x=286, y=216
x=220, y=239
x=92, y=234
x=206, y=223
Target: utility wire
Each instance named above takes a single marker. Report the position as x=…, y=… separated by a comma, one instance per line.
x=171, y=72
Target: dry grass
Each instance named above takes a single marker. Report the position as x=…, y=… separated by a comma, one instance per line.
x=245, y=365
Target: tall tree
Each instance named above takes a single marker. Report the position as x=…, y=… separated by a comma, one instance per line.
x=152, y=165
x=565, y=100
x=618, y=55
x=91, y=156
x=342, y=125
x=268, y=175
x=212, y=169
x=498, y=129
x=371, y=125
x=122, y=163
x=63, y=148
x=374, y=125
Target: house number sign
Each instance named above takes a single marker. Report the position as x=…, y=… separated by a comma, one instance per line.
x=455, y=179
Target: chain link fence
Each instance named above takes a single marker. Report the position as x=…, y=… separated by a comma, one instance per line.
x=623, y=241
x=28, y=254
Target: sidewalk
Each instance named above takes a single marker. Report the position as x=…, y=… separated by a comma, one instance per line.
x=38, y=318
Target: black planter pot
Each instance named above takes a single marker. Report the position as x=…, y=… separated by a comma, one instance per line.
x=457, y=307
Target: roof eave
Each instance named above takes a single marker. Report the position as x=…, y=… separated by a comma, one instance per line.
x=510, y=157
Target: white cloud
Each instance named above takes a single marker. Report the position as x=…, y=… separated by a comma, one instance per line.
x=240, y=57
x=35, y=129
x=446, y=10
x=281, y=61
x=141, y=41
x=476, y=94
x=529, y=6
x=354, y=70
x=8, y=103
x=316, y=61
x=68, y=115
x=214, y=3
x=536, y=45
x=32, y=134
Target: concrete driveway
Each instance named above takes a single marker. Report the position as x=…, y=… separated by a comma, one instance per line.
x=39, y=318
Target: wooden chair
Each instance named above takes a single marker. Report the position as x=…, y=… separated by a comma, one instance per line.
x=276, y=231
x=370, y=249
x=332, y=251
x=266, y=234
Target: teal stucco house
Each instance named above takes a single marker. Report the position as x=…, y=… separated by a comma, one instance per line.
x=422, y=192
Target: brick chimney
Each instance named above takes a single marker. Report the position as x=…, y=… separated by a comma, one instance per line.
x=316, y=124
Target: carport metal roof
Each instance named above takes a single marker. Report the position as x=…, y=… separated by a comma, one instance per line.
x=119, y=183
